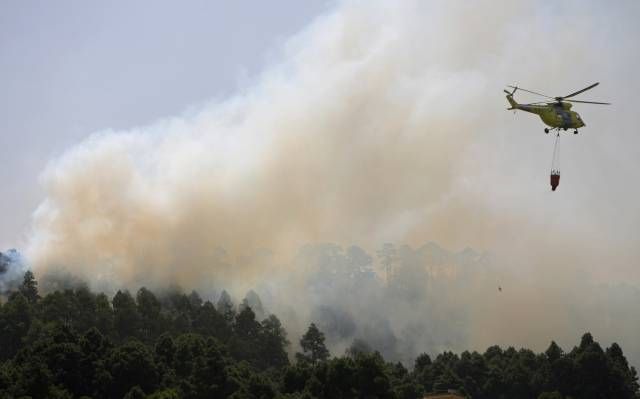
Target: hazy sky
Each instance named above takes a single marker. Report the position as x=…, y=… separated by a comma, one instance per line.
x=70, y=68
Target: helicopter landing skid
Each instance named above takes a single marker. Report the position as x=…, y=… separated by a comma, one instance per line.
x=553, y=129
x=557, y=130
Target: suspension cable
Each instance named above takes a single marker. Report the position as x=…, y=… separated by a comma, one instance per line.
x=555, y=161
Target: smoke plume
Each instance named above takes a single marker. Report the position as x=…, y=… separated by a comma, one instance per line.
x=382, y=122
x=12, y=268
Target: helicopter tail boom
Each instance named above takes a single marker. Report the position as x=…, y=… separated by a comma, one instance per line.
x=512, y=102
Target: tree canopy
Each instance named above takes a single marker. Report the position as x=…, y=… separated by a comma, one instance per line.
x=75, y=343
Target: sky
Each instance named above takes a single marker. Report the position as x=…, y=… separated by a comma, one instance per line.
x=142, y=156
x=70, y=68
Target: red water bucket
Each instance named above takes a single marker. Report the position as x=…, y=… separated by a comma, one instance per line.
x=555, y=180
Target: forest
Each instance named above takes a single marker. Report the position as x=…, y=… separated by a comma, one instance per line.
x=75, y=343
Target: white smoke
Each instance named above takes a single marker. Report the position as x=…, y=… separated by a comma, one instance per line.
x=12, y=268
x=383, y=122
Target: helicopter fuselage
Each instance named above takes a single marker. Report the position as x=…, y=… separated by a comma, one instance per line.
x=555, y=115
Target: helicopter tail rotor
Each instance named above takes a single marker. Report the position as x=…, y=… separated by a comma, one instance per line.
x=512, y=102
x=512, y=92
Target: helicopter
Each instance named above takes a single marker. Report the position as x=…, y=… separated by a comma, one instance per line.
x=556, y=114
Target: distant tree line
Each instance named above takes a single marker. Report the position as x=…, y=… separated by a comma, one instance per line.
x=75, y=343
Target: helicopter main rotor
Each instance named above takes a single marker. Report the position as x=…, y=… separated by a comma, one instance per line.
x=560, y=99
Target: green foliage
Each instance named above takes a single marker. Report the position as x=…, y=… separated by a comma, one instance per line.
x=131, y=364
x=313, y=347
x=208, y=321
x=168, y=393
x=551, y=395
x=135, y=393
x=29, y=287
x=151, y=322
x=15, y=321
x=127, y=319
x=225, y=307
x=273, y=341
x=77, y=344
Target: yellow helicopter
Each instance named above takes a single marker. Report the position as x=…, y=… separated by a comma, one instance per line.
x=556, y=114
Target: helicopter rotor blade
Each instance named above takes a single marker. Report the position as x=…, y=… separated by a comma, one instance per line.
x=537, y=103
x=509, y=93
x=587, y=102
x=580, y=91
x=529, y=91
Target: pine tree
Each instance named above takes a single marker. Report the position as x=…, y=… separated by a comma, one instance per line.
x=29, y=287
x=225, y=307
x=273, y=343
x=554, y=352
x=313, y=347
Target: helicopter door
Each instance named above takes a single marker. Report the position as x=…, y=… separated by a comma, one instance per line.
x=559, y=118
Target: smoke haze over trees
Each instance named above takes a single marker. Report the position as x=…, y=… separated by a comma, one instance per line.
x=11, y=269
x=422, y=300
x=76, y=343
